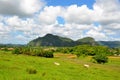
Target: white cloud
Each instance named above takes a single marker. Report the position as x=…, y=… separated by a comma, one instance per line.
x=113, y=26
x=4, y=30
x=78, y=14
x=108, y=5
x=4, y=33
x=20, y=7
x=49, y=15
x=20, y=37
x=96, y=34
x=107, y=12
x=19, y=24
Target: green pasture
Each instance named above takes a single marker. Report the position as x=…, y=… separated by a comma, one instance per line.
x=14, y=67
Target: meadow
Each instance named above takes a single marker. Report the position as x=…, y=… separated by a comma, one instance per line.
x=19, y=67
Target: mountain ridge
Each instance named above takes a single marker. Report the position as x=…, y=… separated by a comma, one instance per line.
x=111, y=44
x=58, y=41
x=51, y=40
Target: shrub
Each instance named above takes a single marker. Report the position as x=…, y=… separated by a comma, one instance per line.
x=34, y=52
x=16, y=51
x=38, y=52
x=31, y=70
x=78, y=54
x=100, y=58
x=48, y=54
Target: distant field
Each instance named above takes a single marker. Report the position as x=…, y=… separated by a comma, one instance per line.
x=14, y=67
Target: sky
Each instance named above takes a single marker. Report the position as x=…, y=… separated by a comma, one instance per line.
x=24, y=20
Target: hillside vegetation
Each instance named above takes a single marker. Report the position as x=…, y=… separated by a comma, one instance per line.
x=112, y=44
x=54, y=40
x=57, y=41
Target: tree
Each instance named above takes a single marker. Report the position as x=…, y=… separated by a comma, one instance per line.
x=101, y=58
x=16, y=51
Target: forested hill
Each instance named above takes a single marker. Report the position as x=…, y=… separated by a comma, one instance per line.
x=11, y=45
x=112, y=44
x=51, y=40
x=54, y=40
x=87, y=40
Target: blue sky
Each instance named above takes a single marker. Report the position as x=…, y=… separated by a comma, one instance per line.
x=89, y=3
x=75, y=19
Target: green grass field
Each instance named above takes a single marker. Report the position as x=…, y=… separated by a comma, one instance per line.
x=14, y=67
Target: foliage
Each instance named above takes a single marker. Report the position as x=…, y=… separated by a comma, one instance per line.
x=34, y=51
x=65, y=50
x=78, y=54
x=16, y=51
x=90, y=50
x=48, y=54
x=101, y=58
x=85, y=50
x=81, y=50
x=115, y=51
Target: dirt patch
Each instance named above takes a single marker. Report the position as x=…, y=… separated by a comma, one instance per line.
x=60, y=55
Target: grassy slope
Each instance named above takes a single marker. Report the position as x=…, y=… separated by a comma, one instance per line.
x=13, y=67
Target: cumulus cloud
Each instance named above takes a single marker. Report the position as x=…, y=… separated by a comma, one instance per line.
x=4, y=33
x=19, y=24
x=107, y=11
x=97, y=35
x=108, y=15
x=20, y=7
x=49, y=14
x=78, y=14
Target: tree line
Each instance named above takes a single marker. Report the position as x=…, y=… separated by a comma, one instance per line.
x=99, y=53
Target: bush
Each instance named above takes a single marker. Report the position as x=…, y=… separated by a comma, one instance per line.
x=78, y=54
x=34, y=52
x=100, y=58
x=48, y=54
x=44, y=53
x=31, y=70
x=90, y=50
x=16, y=51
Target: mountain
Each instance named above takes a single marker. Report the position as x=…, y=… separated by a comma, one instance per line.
x=51, y=40
x=87, y=40
x=111, y=44
x=12, y=45
x=54, y=40
x=57, y=41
